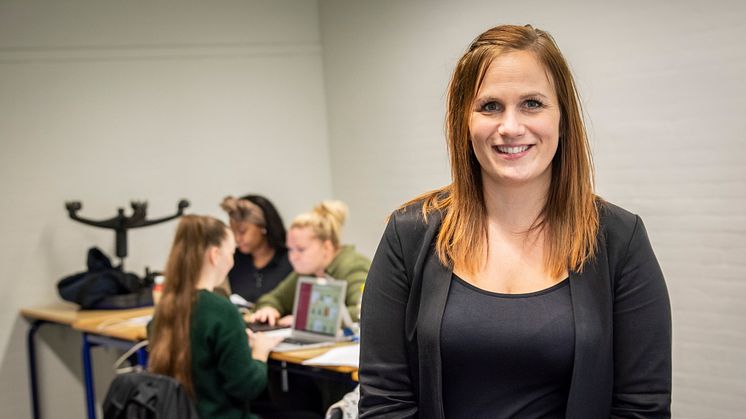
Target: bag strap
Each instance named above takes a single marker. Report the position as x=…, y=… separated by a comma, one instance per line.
x=131, y=351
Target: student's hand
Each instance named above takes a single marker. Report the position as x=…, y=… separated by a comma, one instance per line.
x=262, y=344
x=286, y=321
x=265, y=315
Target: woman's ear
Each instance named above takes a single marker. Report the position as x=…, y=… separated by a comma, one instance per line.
x=328, y=247
x=213, y=254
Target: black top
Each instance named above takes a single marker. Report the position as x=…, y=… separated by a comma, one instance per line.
x=621, y=314
x=506, y=355
x=251, y=283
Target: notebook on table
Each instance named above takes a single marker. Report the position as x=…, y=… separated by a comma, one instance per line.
x=318, y=309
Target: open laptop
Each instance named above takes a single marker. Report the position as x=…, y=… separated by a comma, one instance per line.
x=318, y=310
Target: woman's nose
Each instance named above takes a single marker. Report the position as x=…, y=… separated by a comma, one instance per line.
x=511, y=124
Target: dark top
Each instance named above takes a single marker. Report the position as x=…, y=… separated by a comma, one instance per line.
x=621, y=317
x=225, y=376
x=251, y=283
x=506, y=355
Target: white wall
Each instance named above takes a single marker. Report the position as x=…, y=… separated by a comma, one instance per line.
x=111, y=101
x=107, y=102
x=664, y=90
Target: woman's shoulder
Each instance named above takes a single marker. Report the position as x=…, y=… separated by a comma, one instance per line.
x=410, y=218
x=214, y=314
x=615, y=219
x=618, y=228
x=214, y=303
x=349, y=257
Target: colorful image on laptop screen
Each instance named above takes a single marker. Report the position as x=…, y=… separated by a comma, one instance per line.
x=318, y=308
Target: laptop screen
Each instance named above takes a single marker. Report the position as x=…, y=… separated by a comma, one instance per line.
x=318, y=306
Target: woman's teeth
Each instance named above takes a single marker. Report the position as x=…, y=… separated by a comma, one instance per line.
x=512, y=149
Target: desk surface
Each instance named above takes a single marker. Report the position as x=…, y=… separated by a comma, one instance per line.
x=120, y=324
x=113, y=323
x=300, y=355
x=69, y=314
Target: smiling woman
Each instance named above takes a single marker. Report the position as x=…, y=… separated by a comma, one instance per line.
x=514, y=123
x=515, y=291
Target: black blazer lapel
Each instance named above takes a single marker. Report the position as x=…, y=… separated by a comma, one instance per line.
x=591, y=385
x=434, y=281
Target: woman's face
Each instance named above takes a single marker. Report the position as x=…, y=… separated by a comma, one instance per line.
x=514, y=123
x=307, y=254
x=249, y=236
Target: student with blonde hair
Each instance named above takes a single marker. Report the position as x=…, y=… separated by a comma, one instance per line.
x=199, y=337
x=315, y=249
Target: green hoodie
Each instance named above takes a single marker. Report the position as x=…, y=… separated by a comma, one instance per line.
x=348, y=265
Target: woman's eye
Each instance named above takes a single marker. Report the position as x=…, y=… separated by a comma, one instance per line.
x=490, y=107
x=534, y=104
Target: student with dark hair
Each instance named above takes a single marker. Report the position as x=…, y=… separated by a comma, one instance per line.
x=261, y=258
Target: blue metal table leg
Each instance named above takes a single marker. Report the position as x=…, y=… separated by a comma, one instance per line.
x=31, y=353
x=142, y=357
x=90, y=396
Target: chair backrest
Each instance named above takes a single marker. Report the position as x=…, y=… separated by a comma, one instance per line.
x=145, y=395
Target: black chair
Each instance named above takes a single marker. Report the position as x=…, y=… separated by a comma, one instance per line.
x=143, y=395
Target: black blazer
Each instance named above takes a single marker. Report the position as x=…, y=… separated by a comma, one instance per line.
x=622, y=364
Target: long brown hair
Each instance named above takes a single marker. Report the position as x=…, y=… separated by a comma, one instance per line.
x=569, y=217
x=170, y=348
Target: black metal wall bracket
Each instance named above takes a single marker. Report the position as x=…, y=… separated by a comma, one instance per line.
x=121, y=223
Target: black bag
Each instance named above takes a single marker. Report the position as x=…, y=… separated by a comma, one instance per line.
x=104, y=286
x=144, y=395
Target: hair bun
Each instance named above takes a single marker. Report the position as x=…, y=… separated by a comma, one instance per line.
x=229, y=204
x=337, y=210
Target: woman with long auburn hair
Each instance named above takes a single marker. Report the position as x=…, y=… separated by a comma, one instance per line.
x=199, y=337
x=515, y=291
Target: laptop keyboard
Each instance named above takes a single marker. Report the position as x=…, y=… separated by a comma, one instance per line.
x=296, y=341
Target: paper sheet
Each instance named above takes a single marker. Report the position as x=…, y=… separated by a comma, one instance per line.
x=347, y=356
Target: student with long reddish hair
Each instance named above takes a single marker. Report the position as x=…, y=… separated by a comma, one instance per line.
x=515, y=291
x=199, y=337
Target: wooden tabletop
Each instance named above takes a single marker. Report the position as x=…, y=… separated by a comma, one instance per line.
x=69, y=314
x=130, y=325
x=121, y=324
x=300, y=355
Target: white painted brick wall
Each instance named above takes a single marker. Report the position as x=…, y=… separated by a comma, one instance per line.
x=664, y=86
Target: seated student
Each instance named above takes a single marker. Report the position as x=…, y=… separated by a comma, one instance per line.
x=314, y=249
x=261, y=258
x=199, y=337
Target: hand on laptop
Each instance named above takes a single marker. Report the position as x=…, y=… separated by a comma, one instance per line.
x=265, y=315
x=286, y=321
x=261, y=344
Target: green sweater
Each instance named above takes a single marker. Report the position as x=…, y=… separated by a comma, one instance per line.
x=224, y=374
x=348, y=265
